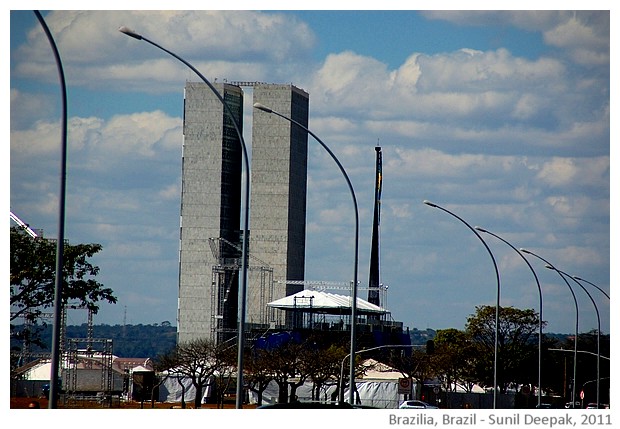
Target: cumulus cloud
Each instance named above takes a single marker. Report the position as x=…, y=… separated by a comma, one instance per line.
x=226, y=42
x=475, y=90
x=575, y=172
x=145, y=133
x=518, y=144
x=583, y=35
x=351, y=79
x=28, y=107
x=109, y=163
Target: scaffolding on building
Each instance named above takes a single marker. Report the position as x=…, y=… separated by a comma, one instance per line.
x=225, y=273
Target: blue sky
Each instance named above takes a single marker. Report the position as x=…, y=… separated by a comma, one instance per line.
x=501, y=117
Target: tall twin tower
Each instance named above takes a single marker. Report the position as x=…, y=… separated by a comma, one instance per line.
x=210, y=233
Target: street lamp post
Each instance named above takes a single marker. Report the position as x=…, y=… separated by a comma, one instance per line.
x=598, y=338
x=56, y=346
x=266, y=109
x=599, y=329
x=540, y=307
x=549, y=265
x=593, y=285
x=428, y=203
x=244, y=267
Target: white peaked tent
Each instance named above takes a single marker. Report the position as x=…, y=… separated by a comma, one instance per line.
x=376, y=370
x=324, y=302
x=378, y=387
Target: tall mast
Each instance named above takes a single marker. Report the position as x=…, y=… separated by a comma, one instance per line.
x=373, y=282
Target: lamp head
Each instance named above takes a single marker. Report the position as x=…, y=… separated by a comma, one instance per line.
x=525, y=250
x=262, y=107
x=130, y=32
x=481, y=229
x=428, y=203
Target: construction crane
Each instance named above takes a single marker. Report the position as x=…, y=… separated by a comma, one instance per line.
x=24, y=225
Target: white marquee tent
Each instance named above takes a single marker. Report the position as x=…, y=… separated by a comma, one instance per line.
x=377, y=388
x=324, y=302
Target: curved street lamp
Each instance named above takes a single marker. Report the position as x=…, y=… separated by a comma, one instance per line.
x=592, y=284
x=244, y=266
x=550, y=266
x=598, y=338
x=58, y=286
x=540, y=307
x=266, y=109
x=428, y=203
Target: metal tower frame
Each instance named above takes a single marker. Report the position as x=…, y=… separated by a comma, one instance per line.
x=223, y=275
x=74, y=354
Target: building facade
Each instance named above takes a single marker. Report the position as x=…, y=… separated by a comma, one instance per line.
x=210, y=241
x=210, y=208
x=278, y=197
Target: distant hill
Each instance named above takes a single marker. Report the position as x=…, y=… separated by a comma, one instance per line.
x=139, y=341
x=149, y=341
x=420, y=337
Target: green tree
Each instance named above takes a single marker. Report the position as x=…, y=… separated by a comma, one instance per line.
x=454, y=359
x=517, y=348
x=33, y=278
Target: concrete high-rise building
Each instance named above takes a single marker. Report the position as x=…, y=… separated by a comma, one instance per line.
x=210, y=208
x=278, y=197
x=210, y=243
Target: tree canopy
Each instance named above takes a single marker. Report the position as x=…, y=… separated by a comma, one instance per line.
x=33, y=276
x=516, y=346
x=200, y=360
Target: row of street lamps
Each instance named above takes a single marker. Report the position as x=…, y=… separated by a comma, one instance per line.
x=243, y=283
x=563, y=275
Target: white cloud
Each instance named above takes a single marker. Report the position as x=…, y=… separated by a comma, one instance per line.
x=478, y=90
x=229, y=44
x=144, y=133
x=529, y=20
x=560, y=171
x=576, y=172
x=28, y=107
x=586, y=39
x=43, y=138
x=351, y=79
x=520, y=145
x=583, y=35
x=401, y=211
